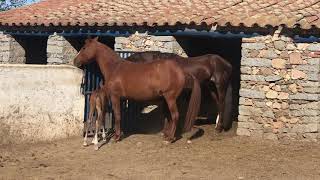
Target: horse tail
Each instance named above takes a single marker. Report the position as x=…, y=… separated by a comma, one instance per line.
x=228, y=107
x=194, y=104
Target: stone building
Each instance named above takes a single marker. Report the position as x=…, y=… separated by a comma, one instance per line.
x=273, y=46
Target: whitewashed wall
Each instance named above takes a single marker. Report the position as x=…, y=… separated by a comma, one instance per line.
x=40, y=102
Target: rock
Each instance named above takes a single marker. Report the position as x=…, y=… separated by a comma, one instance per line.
x=256, y=46
x=305, y=96
x=278, y=63
x=268, y=114
x=284, y=54
x=269, y=103
x=254, y=53
x=314, y=61
x=312, y=128
x=280, y=45
x=266, y=71
x=283, y=95
x=149, y=43
x=248, y=102
x=257, y=78
x=271, y=94
x=249, y=111
x=270, y=54
x=245, y=70
x=302, y=46
x=308, y=68
x=312, y=90
x=291, y=47
x=276, y=105
x=283, y=119
x=273, y=78
x=296, y=74
x=260, y=104
x=314, y=47
x=276, y=88
x=256, y=62
x=293, y=88
x=293, y=120
x=249, y=93
x=255, y=71
x=295, y=58
x=265, y=88
x=277, y=125
x=284, y=105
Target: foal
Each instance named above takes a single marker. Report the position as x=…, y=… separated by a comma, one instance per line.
x=98, y=101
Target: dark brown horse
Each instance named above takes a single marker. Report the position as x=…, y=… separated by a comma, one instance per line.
x=207, y=68
x=140, y=81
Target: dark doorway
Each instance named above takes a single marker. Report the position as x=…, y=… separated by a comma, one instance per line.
x=35, y=48
x=228, y=48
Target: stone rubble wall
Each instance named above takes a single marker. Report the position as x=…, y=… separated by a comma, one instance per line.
x=144, y=42
x=59, y=50
x=11, y=52
x=280, y=93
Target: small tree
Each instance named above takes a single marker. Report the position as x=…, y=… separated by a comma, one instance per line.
x=9, y=4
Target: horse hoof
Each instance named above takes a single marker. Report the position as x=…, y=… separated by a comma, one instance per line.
x=96, y=147
x=219, y=129
x=85, y=144
x=104, y=140
x=166, y=142
x=161, y=134
x=189, y=141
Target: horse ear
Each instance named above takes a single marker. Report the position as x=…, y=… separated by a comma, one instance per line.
x=96, y=38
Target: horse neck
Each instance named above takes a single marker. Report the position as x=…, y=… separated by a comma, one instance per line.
x=107, y=60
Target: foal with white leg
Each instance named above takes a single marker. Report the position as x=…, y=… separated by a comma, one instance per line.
x=98, y=101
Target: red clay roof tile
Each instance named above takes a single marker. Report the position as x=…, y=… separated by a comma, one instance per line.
x=305, y=13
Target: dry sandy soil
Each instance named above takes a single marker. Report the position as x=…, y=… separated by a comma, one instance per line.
x=145, y=156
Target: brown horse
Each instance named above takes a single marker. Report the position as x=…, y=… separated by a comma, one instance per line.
x=140, y=81
x=98, y=101
x=206, y=69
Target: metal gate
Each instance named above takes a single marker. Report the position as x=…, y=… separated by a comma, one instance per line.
x=129, y=109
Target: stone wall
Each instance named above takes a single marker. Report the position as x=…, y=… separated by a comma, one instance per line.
x=40, y=102
x=11, y=52
x=280, y=93
x=59, y=50
x=144, y=42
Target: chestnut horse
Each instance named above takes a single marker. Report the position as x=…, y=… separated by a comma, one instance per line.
x=207, y=68
x=141, y=81
x=98, y=102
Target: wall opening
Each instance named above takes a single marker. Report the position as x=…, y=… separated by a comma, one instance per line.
x=35, y=48
x=228, y=48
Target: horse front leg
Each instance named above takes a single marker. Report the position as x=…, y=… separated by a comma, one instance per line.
x=116, y=110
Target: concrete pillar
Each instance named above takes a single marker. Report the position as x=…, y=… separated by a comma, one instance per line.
x=144, y=42
x=11, y=52
x=59, y=50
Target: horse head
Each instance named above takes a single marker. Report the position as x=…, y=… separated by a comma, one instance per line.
x=87, y=53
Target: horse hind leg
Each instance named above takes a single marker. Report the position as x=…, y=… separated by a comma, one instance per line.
x=88, y=123
x=171, y=129
x=99, y=119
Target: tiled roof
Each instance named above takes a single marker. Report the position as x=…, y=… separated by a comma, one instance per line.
x=305, y=13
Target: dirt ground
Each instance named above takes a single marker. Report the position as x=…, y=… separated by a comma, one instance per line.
x=145, y=156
